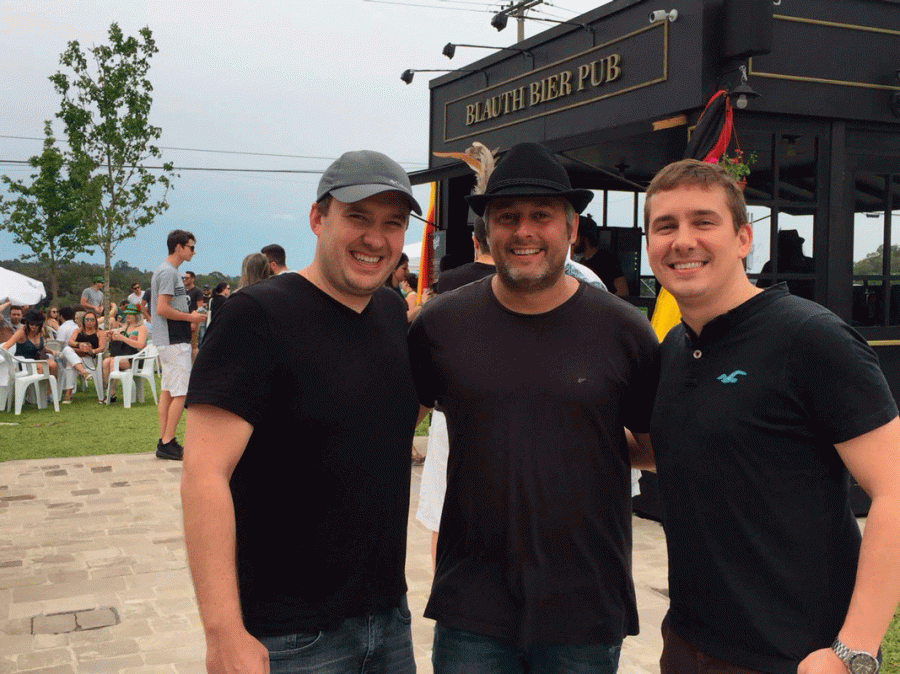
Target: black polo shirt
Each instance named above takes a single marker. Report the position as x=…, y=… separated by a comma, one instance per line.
x=762, y=543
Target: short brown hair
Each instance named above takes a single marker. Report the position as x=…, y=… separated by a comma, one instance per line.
x=701, y=174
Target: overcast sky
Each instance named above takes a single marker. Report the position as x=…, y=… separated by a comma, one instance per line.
x=298, y=77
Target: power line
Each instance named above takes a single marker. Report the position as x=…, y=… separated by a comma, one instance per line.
x=237, y=152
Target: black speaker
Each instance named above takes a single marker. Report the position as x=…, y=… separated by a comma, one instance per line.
x=748, y=28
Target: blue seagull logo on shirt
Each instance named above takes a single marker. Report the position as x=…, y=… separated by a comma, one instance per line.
x=730, y=378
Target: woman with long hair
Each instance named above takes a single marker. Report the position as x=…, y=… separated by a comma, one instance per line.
x=126, y=341
x=254, y=268
x=29, y=341
x=88, y=342
x=53, y=319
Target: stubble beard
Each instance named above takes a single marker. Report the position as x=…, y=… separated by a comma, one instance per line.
x=520, y=282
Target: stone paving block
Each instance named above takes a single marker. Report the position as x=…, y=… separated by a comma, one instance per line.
x=96, y=618
x=109, y=665
x=105, y=650
x=54, y=624
x=156, y=669
x=60, y=669
x=185, y=654
x=50, y=658
x=45, y=641
x=59, y=590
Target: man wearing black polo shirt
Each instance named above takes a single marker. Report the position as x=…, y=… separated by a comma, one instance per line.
x=765, y=401
x=296, y=463
x=538, y=375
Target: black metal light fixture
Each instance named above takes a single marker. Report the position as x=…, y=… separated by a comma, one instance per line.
x=407, y=75
x=742, y=93
x=501, y=19
x=449, y=49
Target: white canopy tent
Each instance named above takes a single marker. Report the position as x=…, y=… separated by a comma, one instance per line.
x=19, y=289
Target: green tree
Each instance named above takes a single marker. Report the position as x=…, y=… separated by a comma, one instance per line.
x=870, y=265
x=48, y=214
x=106, y=111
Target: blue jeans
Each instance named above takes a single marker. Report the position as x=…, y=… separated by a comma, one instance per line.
x=461, y=652
x=375, y=644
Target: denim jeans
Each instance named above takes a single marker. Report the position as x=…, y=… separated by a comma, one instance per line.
x=461, y=652
x=375, y=644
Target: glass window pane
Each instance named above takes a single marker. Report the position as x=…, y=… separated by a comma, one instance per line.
x=869, y=227
x=797, y=178
x=761, y=221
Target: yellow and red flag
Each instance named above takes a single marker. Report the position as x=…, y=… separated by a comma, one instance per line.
x=426, y=260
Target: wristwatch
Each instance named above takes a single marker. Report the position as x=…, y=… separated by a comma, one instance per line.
x=858, y=662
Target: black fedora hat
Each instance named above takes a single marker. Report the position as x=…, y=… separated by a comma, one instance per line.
x=529, y=170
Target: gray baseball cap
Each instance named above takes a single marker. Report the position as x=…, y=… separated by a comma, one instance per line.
x=355, y=176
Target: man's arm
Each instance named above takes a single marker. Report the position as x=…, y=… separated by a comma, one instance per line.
x=620, y=286
x=640, y=450
x=165, y=309
x=874, y=460
x=214, y=442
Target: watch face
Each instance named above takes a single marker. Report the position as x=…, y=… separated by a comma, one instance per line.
x=862, y=663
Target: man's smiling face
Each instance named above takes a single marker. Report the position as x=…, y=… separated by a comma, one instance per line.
x=693, y=246
x=529, y=239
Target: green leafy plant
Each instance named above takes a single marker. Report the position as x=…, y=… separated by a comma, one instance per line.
x=737, y=165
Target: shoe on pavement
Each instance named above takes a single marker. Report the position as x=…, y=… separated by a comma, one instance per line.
x=171, y=450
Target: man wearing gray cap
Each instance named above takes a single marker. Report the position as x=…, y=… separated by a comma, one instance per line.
x=538, y=375
x=296, y=463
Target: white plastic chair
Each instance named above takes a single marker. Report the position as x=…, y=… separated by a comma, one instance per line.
x=142, y=367
x=22, y=373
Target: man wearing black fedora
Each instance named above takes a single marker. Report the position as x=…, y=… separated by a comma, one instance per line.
x=539, y=375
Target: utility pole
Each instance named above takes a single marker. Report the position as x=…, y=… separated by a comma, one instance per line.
x=517, y=10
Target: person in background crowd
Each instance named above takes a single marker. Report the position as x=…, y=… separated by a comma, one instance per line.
x=196, y=303
x=277, y=258
x=172, y=323
x=53, y=318
x=28, y=340
x=67, y=329
x=127, y=341
x=92, y=296
x=88, y=342
x=254, y=268
x=766, y=401
x=136, y=295
x=601, y=261
x=400, y=273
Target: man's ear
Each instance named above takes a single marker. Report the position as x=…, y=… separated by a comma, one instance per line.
x=315, y=219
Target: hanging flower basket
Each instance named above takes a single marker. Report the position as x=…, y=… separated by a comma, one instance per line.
x=737, y=165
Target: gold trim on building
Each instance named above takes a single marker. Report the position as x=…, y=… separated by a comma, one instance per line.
x=531, y=73
x=821, y=80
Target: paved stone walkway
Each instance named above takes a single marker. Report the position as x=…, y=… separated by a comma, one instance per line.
x=94, y=579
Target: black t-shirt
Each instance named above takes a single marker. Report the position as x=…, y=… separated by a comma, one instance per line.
x=457, y=277
x=535, y=535
x=195, y=296
x=605, y=264
x=321, y=492
x=762, y=543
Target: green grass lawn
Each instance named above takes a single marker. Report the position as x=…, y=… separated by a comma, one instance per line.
x=85, y=428
x=891, y=647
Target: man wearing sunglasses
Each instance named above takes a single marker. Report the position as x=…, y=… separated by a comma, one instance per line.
x=172, y=322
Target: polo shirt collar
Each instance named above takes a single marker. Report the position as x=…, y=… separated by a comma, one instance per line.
x=722, y=324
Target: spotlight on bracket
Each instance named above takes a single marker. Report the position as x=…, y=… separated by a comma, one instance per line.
x=662, y=15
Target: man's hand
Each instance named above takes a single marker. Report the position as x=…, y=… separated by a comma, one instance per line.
x=238, y=652
x=197, y=318
x=822, y=661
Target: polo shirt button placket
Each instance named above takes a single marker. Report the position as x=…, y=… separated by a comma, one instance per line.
x=698, y=353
